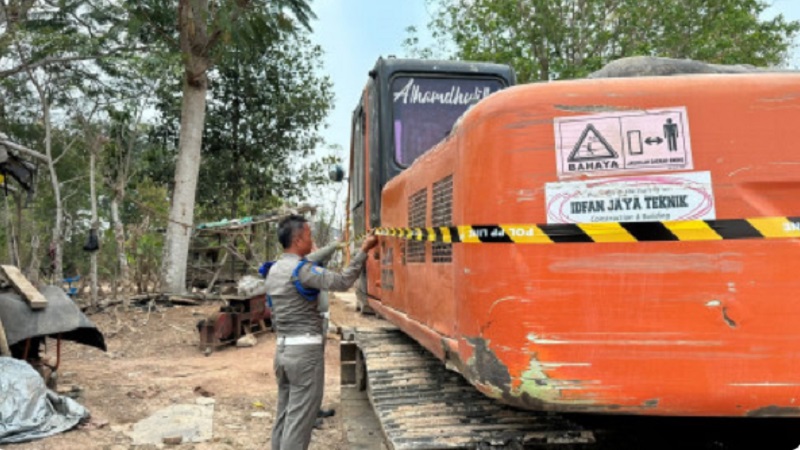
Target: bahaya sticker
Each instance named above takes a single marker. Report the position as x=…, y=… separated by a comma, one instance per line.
x=637, y=141
x=640, y=198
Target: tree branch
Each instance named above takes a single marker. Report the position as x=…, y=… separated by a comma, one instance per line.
x=25, y=150
x=72, y=180
x=56, y=60
x=216, y=34
x=160, y=31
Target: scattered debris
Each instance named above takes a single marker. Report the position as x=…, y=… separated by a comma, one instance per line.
x=248, y=340
x=93, y=424
x=172, y=440
x=74, y=391
x=201, y=391
x=148, y=392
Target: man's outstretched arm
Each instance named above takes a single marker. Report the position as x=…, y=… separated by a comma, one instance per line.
x=319, y=278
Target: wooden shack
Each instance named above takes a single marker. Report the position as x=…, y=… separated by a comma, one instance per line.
x=222, y=252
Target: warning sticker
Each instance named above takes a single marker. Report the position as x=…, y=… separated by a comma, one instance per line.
x=637, y=141
x=640, y=198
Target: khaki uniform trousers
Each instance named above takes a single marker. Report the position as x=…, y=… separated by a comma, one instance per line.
x=300, y=373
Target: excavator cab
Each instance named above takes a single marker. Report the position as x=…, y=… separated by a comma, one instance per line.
x=407, y=107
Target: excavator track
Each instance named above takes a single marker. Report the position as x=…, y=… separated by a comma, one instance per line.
x=422, y=405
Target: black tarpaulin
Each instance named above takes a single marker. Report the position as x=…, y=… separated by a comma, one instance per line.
x=61, y=316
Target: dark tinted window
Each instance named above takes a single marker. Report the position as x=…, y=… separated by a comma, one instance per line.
x=425, y=110
x=357, y=177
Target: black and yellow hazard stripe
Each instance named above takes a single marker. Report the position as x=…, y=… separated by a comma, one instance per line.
x=690, y=230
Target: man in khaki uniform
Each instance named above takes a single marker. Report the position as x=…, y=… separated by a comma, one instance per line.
x=293, y=286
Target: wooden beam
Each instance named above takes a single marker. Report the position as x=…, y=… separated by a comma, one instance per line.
x=21, y=284
x=216, y=274
x=4, y=350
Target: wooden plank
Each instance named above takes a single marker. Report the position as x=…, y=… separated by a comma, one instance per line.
x=184, y=300
x=4, y=350
x=216, y=274
x=32, y=295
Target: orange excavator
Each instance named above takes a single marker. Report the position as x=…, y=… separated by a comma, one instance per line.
x=607, y=245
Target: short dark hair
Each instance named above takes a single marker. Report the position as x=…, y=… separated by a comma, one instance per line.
x=288, y=228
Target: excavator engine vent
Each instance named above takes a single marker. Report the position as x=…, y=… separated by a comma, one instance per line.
x=417, y=207
x=442, y=216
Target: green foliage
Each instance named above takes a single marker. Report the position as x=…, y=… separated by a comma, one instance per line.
x=414, y=48
x=555, y=39
x=147, y=204
x=145, y=218
x=101, y=63
x=265, y=115
x=210, y=29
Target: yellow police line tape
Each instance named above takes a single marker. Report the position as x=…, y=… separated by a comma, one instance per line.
x=689, y=230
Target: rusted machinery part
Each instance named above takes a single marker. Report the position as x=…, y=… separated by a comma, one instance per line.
x=223, y=325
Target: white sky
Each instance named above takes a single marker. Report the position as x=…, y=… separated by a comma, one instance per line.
x=354, y=33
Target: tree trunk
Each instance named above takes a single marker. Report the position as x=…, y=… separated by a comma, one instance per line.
x=4, y=350
x=195, y=44
x=181, y=214
x=13, y=248
x=58, y=271
x=95, y=223
x=119, y=238
x=33, y=263
x=10, y=233
x=56, y=244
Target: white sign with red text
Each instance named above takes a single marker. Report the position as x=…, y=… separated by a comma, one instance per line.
x=638, y=198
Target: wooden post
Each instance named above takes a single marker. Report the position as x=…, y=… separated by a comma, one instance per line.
x=4, y=350
x=216, y=274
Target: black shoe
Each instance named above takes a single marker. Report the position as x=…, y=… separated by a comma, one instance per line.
x=322, y=413
x=318, y=424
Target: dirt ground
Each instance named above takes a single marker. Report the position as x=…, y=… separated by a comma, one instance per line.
x=153, y=361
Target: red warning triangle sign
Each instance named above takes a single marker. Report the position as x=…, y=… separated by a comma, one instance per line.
x=592, y=145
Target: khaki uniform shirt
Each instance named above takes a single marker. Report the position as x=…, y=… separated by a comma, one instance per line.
x=293, y=315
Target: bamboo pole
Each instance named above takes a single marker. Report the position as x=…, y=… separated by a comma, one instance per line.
x=4, y=350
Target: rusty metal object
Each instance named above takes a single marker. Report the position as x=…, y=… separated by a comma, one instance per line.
x=239, y=317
